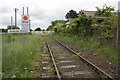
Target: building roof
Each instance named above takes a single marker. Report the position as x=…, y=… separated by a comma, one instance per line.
x=88, y=13
x=71, y=19
x=92, y=13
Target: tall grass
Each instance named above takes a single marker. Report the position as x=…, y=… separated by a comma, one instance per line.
x=105, y=51
x=0, y=56
x=18, y=54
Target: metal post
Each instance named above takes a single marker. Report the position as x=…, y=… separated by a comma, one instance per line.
x=16, y=17
x=23, y=10
x=11, y=20
x=11, y=23
x=27, y=10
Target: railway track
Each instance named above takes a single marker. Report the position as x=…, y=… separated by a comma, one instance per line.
x=62, y=62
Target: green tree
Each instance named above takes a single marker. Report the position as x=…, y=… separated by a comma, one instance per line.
x=43, y=30
x=71, y=14
x=50, y=27
x=106, y=11
x=107, y=28
x=31, y=30
x=38, y=29
x=12, y=27
x=3, y=30
x=83, y=25
x=57, y=25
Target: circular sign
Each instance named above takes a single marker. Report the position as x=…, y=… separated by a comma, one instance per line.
x=25, y=17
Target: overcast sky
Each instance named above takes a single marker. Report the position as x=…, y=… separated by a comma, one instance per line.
x=42, y=12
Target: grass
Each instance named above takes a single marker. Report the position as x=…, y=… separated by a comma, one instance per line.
x=0, y=56
x=19, y=55
x=88, y=76
x=105, y=51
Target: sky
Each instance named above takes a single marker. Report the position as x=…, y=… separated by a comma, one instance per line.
x=42, y=12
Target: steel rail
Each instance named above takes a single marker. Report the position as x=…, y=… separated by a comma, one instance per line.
x=85, y=60
x=55, y=66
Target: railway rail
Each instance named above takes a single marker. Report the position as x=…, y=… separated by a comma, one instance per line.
x=55, y=66
x=88, y=62
x=62, y=74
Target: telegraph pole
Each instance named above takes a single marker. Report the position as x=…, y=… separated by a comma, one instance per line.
x=16, y=17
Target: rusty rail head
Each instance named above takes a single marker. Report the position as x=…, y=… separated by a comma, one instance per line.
x=85, y=60
x=55, y=66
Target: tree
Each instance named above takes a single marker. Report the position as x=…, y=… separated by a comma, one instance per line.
x=3, y=30
x=106, y=11
x=57, y=25
x=31, y=30
x=12, y=27
x=43, y=30
x=71, y=14
x=50, y=27
x=83, y=25
x=106, y=28
x=38, y=29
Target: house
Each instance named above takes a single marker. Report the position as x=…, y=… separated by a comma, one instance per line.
x=71, y=19
x=91, y=15
x=87, y=13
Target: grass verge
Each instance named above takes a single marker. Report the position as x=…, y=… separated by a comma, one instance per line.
x=19, y=53
x=0, y=56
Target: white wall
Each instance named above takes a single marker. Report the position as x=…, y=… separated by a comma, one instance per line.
x=42, y=32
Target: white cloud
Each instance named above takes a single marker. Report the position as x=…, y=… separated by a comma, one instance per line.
x=42, y=12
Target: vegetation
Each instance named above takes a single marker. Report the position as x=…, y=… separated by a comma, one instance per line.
x=96, y=34
x=0, y=57
x=12, y=27
x=9, y=27
x=38, y=29
x=43, y=29
x=103, y=30
x=106, y=51
x=31, y=30
x=105, y=11
x=108, y=27
x=57, y=25
x=71, y=14
x=19, y=55
x=3, y=30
